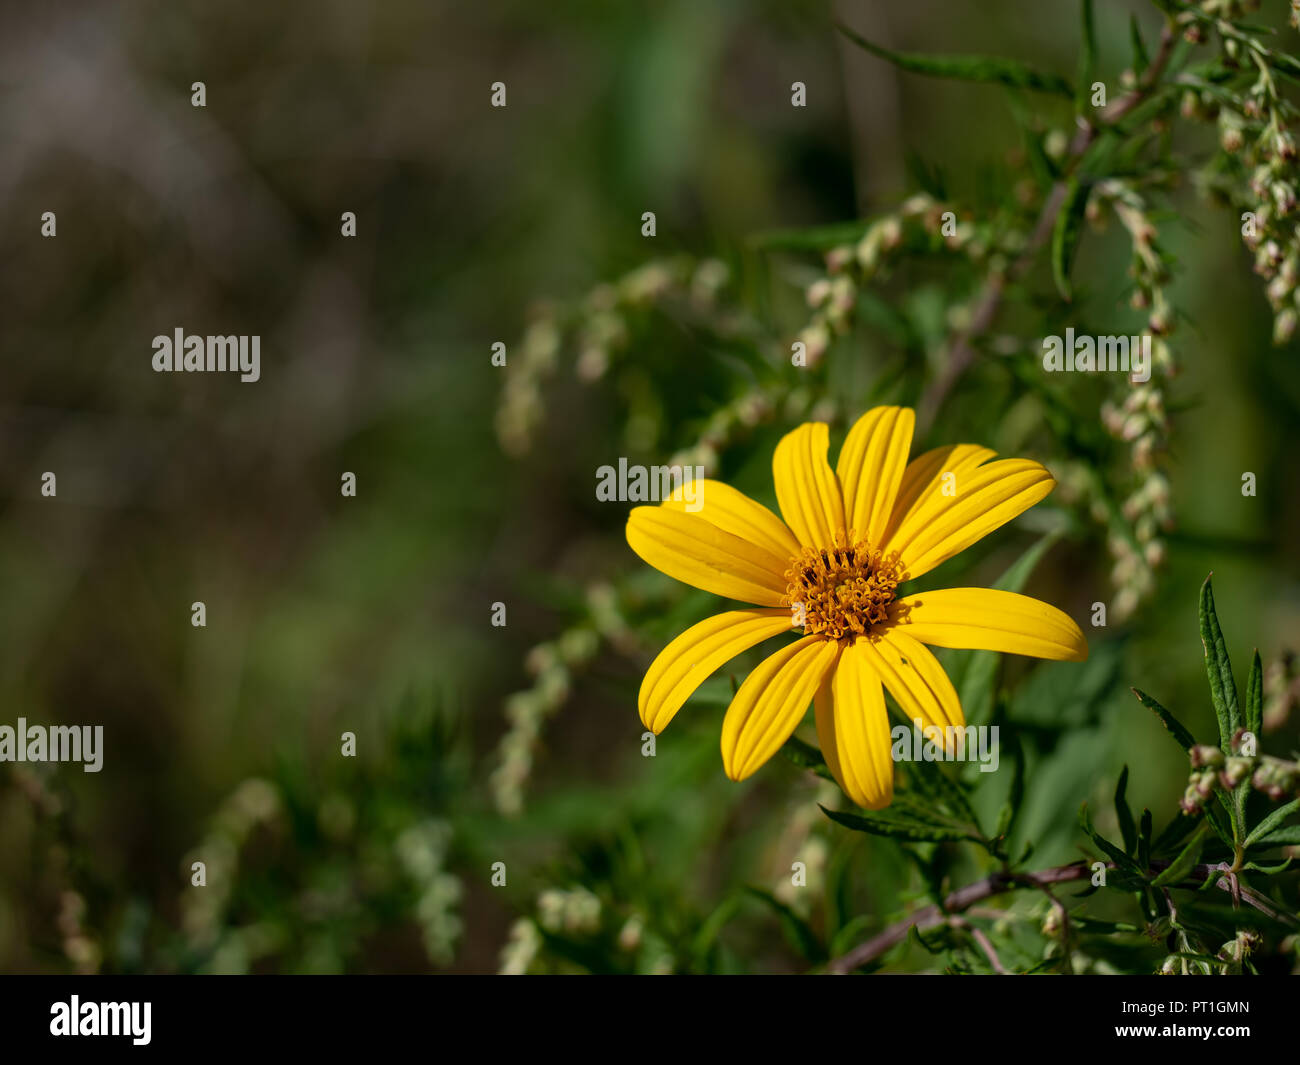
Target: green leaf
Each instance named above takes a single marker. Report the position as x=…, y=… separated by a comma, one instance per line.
x=801, y=937
x=1223, y=689
x=1010, y=811
x=1186, y=860
x=898, y=827
x=1255, y=697
x=931, y=778
x=1144, y=840
x=1180, y=733
x=806, y=756
x=810, y=238
x=1111, y=851
x=1065, y=234
x=1269, y=870
x=1222, y=815
x=1126, y=827
x=987, y=69
x=1141, y=59
x=711, y=928
x=1264, y=832
x=1087, y=55
x=913, y=807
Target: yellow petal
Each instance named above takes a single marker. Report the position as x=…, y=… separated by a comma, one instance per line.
x=806, y=488
x=853, y=730
x=691, y=550
x=871, y=467
x=914, y=678
x=682, y=666
x=991, y=620
x=959, y=510
x=734, y=512
x=923, y=478
x=771, y=703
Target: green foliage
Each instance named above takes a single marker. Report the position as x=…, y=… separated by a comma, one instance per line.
x=990, y=69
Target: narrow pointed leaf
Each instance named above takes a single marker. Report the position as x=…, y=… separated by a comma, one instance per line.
x=897, y=827
x=1124, y=815
x=1186, y=860
x=1141, y=60
x=1176, y=727
x=1111, y=851
x=1087, y=54
x=1255, y=697
x=1223, y=689
x=989, y=69
x=1065, y=235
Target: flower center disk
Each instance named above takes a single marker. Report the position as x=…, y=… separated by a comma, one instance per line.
x=844, y=590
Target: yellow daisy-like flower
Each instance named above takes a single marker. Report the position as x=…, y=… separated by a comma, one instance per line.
x=850, y=537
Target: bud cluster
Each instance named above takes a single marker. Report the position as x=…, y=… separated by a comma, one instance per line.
x=1214, y=769
x=553, y=665
x=1262, y=157
x=919, y=222
x=598, y=327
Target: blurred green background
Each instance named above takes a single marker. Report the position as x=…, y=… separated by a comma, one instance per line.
x=372, y=614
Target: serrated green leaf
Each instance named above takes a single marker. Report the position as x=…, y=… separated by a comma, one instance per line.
x=986, y=69
x=897, y=827
x=1223, y=689
x=1065, y=234
x=1255, y=697
x=1273, y=821
x=1187, y=858
x=1176, y=727
x=1124, y=815
x=931, y=778
x=1286, y=836
x=1144, y=840
x=915, y=808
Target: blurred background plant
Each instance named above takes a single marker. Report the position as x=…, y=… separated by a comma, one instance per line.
x=917, y=235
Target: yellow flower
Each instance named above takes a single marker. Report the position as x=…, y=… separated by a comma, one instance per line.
x=850, y=537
